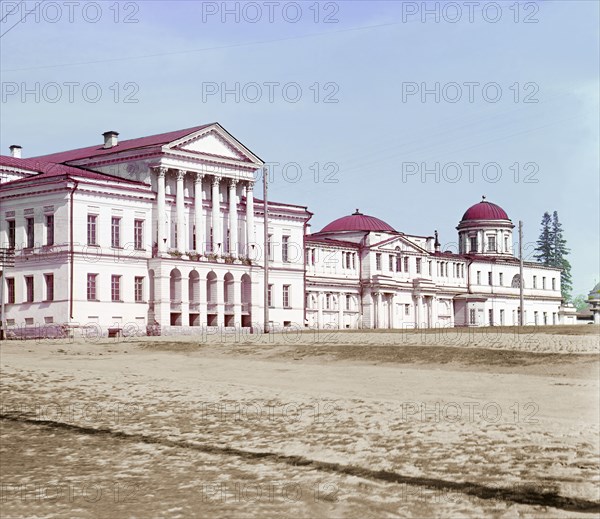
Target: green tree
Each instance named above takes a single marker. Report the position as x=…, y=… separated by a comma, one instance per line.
x=580, y=302
x=544, y=251
x=559, y=257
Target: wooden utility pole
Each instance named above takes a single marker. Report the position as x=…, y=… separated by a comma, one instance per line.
x=521, y=280
x=266, y=248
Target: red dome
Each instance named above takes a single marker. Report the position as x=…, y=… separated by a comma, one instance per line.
x=358, y=222
x=485, y=210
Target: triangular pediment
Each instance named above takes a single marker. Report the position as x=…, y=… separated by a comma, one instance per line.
x=214, y=141
x=400, y=243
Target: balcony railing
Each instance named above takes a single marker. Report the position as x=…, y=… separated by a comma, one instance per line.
x=246, y=308
x=176, y=305
x=194, y=307
x=211, y=308
x=228, y=308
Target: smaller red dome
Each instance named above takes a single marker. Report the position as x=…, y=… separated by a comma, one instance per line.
x=358, y=222
x=485, y=210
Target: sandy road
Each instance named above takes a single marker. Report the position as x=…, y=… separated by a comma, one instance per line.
x=449, y=422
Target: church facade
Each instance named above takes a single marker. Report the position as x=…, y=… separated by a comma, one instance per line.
x=163, y=234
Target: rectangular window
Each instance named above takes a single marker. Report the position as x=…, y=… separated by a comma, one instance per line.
x=354, y=261
x=378, y=261
x=418, y=265
x=91, y=287
x=501, y=279
x=115, y=232
x=11, y=234
x=29, y=232
x=398, y=263
x=473, y=242
x=501, y=317
x=286, y=296
x=49, y=229
x=115, y=287
x=138, y=235
x=10, y=285
x=407, y=309
x=491, y=243
x=29, y=289
x=430, y=269
x=49, y=286
x=491, y=317
x=92, y=220
x=534, y=281
x=544, y=283
x=553, y=283
x=535, y=318
x=270, y=296
x=139, y=289
x=270, y=247
x=327, y=301
x=545, y=317
x=406, y=269
x=490, y=279
x=348, y=302
x=479, y=277
x=285, y=246
x=391, y=263
x=472, y=318
x=506, y=244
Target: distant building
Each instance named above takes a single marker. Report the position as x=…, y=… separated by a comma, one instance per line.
x=361, y=272
x=163, y=233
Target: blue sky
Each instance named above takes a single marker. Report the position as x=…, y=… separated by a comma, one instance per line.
x=531, y=69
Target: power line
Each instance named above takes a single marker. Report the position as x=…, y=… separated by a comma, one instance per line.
x=204, y=49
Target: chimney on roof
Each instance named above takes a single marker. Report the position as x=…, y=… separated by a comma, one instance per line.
x=110, y=139
x=437, y=245
x=15, y=151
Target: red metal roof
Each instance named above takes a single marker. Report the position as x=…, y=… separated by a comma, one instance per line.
x=338, y=243
x=358, y=222
x=46, y=169
x=141, y=142
x=485, y=210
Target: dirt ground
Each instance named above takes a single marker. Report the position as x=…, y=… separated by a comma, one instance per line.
x=332, y=424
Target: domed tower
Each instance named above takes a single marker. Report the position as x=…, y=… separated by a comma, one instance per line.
x=358, y=222
x=485, y=229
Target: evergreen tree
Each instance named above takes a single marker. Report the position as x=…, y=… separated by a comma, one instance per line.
x=544, y=252
x=559, y=257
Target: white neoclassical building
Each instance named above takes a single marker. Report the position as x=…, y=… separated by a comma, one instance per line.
x=361, y=272
x=164, y=234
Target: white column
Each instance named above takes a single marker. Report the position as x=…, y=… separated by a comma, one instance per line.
x=481, y=245
x=237, y=303
x=180, y=201
x=233, y=219
x=216, y=217
x=250, y=231
x=198, y=213
x=379, y=310
x=203, y=302
x=319, y=310
x=393, y=311
x=341, y=302
x=160, y=209
x=419, y=311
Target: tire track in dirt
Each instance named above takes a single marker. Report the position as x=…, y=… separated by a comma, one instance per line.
x=525, y=495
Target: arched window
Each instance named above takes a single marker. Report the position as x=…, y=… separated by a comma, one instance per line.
x=516, y=281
